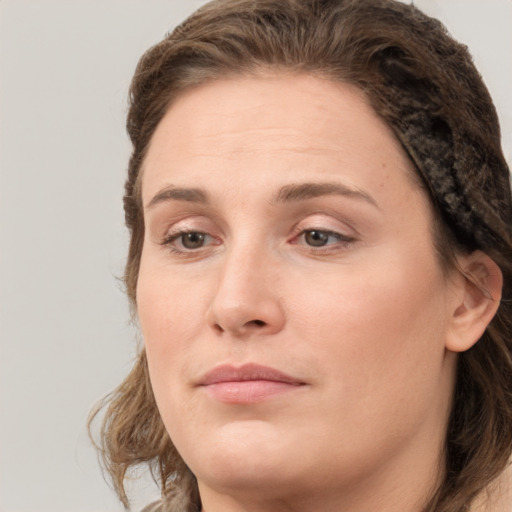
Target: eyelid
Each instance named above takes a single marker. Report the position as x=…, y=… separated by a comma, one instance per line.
x=189, y=223
x=172, y=231
x=168, y=218
x=340, y=235
x=341, y=239
x=172, y=243
x=327, y=223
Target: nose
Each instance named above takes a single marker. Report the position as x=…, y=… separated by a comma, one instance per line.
x=247, y=299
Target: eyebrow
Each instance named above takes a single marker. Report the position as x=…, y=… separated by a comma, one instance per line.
x=304, y=191
x=288, y=193
x=171, y=193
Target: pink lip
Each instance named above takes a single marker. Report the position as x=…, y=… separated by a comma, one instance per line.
x=250, y=383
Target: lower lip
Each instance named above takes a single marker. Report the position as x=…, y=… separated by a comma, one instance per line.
x=248, y=392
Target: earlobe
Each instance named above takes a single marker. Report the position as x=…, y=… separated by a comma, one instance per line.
x=477, y=301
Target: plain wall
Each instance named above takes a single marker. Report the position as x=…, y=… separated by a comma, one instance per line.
x=65, y=67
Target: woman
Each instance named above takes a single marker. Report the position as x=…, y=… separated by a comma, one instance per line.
x=321, y=264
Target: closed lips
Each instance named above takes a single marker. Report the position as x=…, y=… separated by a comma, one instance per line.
x=248, y=372
x=248, y=384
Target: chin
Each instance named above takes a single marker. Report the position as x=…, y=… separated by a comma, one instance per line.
x=250, y=455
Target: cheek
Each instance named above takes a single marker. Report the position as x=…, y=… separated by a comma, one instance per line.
x=169, y=311
x=390, y=295
x=380, y=327
x=165, y=315
x=168, y=303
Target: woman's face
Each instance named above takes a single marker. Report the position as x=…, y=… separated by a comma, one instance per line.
x=293, y=308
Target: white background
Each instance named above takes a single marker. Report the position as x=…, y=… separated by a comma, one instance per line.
x=65, y=67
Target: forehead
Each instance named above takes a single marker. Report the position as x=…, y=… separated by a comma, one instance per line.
x=281, y=121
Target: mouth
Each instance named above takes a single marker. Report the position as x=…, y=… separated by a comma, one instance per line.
x=250, y=383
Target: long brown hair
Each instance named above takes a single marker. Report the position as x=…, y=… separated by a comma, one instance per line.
x=425, y=86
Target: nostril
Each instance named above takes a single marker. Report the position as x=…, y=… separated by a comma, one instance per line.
x=257, y=323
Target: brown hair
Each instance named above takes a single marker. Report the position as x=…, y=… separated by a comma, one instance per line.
x=425, y=86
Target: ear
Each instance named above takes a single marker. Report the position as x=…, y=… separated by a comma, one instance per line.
x=478, y=296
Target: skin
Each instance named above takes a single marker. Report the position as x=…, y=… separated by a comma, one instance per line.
x=368, y=323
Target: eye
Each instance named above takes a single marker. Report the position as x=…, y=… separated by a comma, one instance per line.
x=321, y=238
x=316, y=238
x=192, y=240
x=185, y=241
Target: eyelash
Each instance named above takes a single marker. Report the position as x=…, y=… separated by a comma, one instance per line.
x=170, y=240
x=341, y=241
